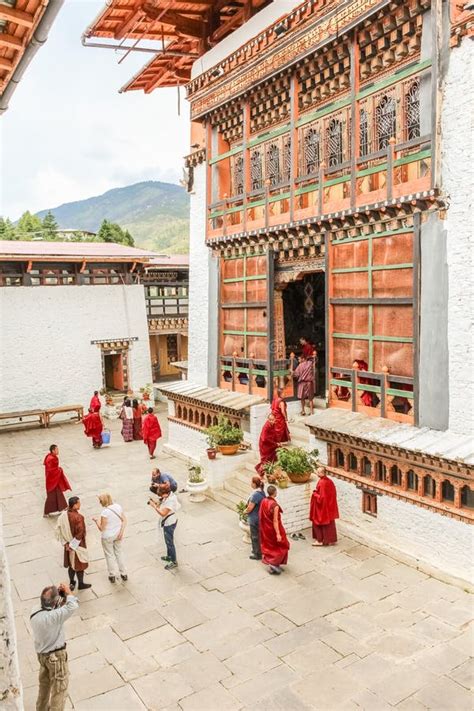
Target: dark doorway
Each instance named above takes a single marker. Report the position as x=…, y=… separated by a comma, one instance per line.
x=113, y=371
x=304, y=305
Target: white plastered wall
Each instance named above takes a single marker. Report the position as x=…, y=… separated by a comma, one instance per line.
x=457, y=183
x=47, y=358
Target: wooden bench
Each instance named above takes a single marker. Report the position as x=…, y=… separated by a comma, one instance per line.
x=51, y=411
x=40, y=414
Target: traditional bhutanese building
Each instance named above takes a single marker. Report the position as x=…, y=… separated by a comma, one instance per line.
x=330, y=179
x=80, y=316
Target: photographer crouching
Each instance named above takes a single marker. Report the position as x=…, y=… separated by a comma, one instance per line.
x=166, y=507
x=57, y=605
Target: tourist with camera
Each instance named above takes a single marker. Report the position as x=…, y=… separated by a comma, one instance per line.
x=57, y=606
x=166, y=507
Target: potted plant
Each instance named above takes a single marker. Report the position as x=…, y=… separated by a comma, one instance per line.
x=146, y=391
x=297, y=463
x=227, y=437
x=275, y=474
x=211, y=448
x=243, y=522
x=197, y=484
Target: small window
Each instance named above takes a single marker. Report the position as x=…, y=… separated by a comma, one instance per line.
x=380, y=471
x=352, y=462
x=363, y=133
x=429, y=487
x=447, y=491
x=312, y=155
x=412, y=111
x=369, y=503
x=385, y=114
x=467, y=498
x=412, y=480
x=334, y=143
x=339, y=458
x=366, y=467
x=395, y=476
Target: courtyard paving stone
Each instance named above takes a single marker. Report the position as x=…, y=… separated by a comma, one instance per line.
x=345, y=627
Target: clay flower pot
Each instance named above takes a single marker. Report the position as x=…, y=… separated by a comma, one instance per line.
x=211, y=453
x=299, y=478
x=228, y=449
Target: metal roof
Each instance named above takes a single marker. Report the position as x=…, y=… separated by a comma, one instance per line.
x=211, y=396
x=22, y=249
x=448, y=445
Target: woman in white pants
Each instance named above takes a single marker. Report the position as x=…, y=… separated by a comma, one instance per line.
x=112, y=524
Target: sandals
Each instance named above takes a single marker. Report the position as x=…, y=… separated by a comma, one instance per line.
x=298, y=536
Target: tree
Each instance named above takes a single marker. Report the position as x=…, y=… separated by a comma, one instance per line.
x=112, y=232
x=7, y=229
x=50, y=226
x=29, y=226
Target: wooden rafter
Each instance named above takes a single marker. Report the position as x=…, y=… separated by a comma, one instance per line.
x=10, y=14
x=10, y=41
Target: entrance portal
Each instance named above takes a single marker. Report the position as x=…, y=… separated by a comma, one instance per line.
x=113, y=371
x=304, y=307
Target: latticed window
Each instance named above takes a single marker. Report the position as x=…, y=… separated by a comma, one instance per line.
x=412, y=110
x=363, y=133
x=256, y=169
x=334, y=143
x=272, y=157
x=385, y=116
x=312, y=151
x=286, y=158
x=238, y=175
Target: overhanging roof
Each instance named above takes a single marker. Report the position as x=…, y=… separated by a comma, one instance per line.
x=186, y=30
x=20, y=250
x=24, y=27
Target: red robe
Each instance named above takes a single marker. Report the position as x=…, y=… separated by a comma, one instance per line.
x=367, y=397
x=274, y=552
x=151, y=429
x=267, y=445
x=308, y=350
x=137, y=423
x=95, y=404
x=55, y=477
x=93, y=427
x=323, y=507
x=282, y=433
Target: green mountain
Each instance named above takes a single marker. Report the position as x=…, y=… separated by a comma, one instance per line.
x=156, y=214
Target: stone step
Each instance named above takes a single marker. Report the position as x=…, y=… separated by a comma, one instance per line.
x=238, y=488
x=226, y=498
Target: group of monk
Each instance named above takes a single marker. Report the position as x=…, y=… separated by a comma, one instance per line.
x=139, y=423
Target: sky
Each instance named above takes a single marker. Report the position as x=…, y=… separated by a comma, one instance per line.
x=68, y=134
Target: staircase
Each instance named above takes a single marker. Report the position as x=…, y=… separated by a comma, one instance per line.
x=237, y=488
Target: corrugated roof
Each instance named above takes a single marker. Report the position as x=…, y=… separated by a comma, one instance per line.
x=17, y=249
x=211, y=396
x=447, y=445
x=169, y=260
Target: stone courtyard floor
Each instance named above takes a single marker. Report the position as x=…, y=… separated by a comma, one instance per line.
x=344, y=627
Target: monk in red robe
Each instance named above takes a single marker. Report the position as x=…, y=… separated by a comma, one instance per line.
x=304, y=373
x=279, y=412
x=93, y=428
x=323, y=510
x=137, y=421
x=151, y=432
x=369, y=399
x=56, y=483
x=95, y=403
x=274, y=543
x=307, y=348
x=267, y=444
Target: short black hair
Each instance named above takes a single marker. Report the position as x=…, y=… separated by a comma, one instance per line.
x=126, y=402
x=271, y=490
x=150, y=411
x=96, y=392
x=53, y=446
x=72, y=501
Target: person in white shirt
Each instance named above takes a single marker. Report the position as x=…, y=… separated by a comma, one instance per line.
x=57, y=605
x=112, y=524
x=166, y=508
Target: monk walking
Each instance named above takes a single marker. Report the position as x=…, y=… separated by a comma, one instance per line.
x=93, y=428
x=151, y=432
x=71, y=532
x=137, y=420
x=304, y=373
x=267, y=444
x=279, y=412
x=323, y=510
x=95, y=403
x=56, y=483
x=273, y=540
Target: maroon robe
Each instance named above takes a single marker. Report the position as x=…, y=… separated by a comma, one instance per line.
x=282, y=432
x=137, y=423
x=305, y=375
x=323, y=511
x=93, y=428
x=267, y=445
x=368, y=398
x=95, y=403
x=308, y=350
x=151, y=432
x=78, y=530
x=274, y=552
x=56, y=483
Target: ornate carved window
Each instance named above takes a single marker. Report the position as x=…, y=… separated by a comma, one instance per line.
x=386, y=121
x=273, y=162
x=412, y=110
x=363, y=133
x=238, y=175
x=256, y=169
x=334, y=140
x=311, y=151
x=286, y=158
